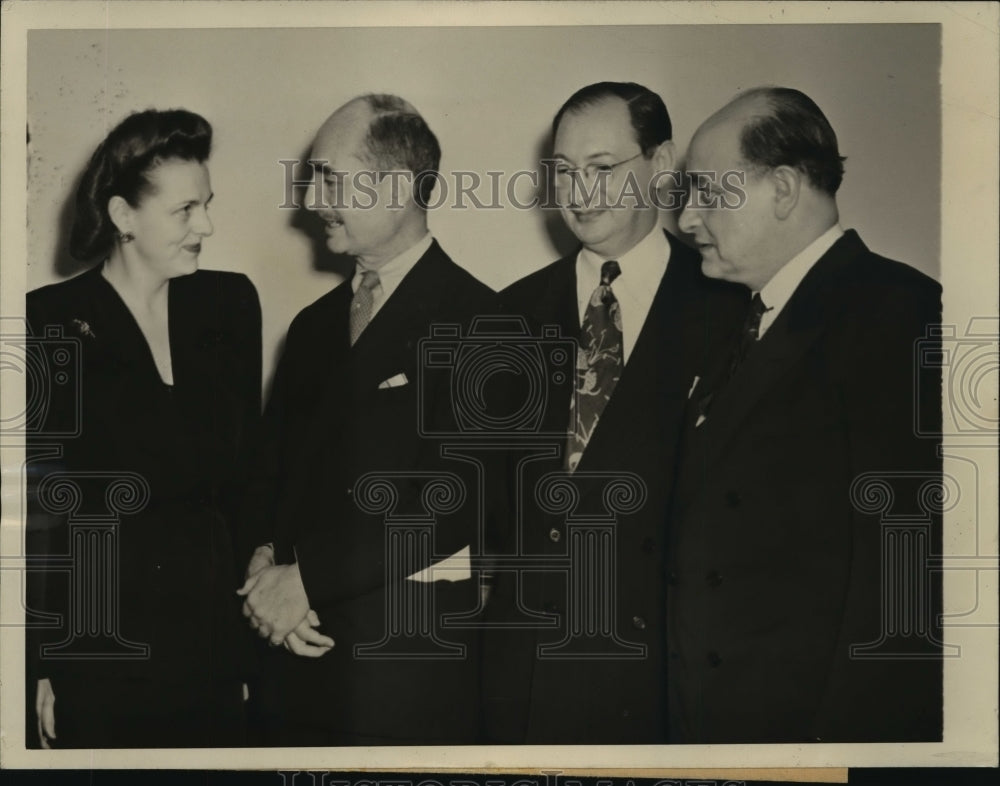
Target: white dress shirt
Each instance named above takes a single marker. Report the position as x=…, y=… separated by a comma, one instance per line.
x=642, y=269
x=392, y=272
x=777, y=292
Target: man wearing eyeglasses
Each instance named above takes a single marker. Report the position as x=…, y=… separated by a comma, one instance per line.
x=577, y=652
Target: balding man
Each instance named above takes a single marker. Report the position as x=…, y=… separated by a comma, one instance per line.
x=344, y=404
x=782, y=623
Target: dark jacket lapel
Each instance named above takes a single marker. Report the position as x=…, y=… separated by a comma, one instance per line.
x=630, y=419
x=557, y=303
x=386, y=347
x=115, y=333
x=545, y=298
x=799, y=325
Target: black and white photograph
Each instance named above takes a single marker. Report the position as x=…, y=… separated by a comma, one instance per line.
x=501, y=386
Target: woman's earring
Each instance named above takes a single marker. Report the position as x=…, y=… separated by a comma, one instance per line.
x=126, y=237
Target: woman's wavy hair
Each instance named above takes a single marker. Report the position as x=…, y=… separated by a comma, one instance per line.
x=121, y=166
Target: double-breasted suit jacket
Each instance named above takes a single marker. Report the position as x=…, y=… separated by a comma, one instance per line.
x=778, y=533
x=607, y=684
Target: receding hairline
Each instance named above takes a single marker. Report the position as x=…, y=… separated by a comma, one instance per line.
x=596, y=103
x=741, y=110
x=738, y=114
x=366, y=108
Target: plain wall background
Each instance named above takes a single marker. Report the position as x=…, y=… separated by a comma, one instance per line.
x=489, y=94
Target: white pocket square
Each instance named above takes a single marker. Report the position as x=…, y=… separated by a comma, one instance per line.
x=457, y=567
x=394, y=382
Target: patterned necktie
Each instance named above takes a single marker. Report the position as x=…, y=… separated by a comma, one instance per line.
x=599, y=362
x=362, y=303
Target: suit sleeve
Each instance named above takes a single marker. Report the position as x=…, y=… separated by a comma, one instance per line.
x=248, y=304
x=45, y=533
x=265, y=466
x=889, y=686
x=245, y=315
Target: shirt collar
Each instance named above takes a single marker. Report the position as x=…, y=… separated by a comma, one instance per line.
x=642, y=265
x=777, y=292
x=393, y=271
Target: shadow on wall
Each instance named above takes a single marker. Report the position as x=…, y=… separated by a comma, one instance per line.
x=64, y=264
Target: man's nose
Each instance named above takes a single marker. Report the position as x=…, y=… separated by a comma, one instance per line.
x=689, y=219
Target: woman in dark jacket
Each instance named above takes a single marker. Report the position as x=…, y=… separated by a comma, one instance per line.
x=147, y=389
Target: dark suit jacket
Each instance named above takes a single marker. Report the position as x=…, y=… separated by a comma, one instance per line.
x=327, y=424
x=577, y=695
x=111, y=414
x=774, y=564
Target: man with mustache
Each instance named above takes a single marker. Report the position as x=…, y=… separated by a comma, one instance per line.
x=345, y=403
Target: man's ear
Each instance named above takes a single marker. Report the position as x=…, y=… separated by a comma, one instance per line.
x=664, y=157
x=787, y=182
x=120, y=212
x=397, y=188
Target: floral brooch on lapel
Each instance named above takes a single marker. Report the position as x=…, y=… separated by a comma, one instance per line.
x=83, y=328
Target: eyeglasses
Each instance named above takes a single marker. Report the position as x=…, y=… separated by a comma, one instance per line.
x=565, y=174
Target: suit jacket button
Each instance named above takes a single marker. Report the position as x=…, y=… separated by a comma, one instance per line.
x=714, y=659
x=349, y=492
x=733, y=499
x=714, y=578
x=638, y=623
x=555, y=535
x=648, y=545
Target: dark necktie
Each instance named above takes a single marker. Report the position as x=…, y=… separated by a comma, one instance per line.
x=749, y=334
x=745, y=342
x=599, y=362
x=362, y=303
